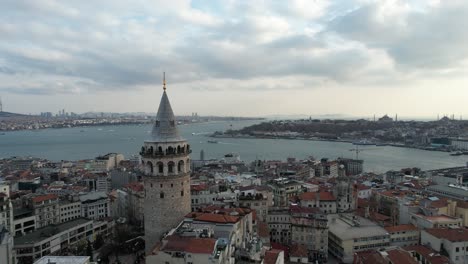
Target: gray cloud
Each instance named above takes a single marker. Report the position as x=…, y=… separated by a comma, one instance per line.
x=433, y=38
x=117, y=45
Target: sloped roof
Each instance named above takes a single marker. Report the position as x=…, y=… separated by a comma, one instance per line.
x=399, y=228
x=454, y=235
x=190, y=244
x=271, y=256
x=429, y=254
x=45, y=197
x=165, y=128
x=400, y=257
x=311, y=196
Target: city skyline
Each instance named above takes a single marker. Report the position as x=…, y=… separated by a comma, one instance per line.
x=235, y=58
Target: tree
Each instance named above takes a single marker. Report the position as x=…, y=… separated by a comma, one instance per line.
x=98, y=242
x=89, y=251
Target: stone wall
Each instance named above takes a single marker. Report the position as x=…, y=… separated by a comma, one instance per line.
x=167, y=201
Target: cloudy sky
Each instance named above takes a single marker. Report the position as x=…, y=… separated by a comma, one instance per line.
x=313, y=57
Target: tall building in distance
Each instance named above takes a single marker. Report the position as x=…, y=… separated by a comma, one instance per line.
x=166, y=167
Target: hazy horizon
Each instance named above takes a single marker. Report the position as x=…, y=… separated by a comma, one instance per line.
x=237, y=58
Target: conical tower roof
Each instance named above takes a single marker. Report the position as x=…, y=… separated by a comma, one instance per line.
x=165, y=126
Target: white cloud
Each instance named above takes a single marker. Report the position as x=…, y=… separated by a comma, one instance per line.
x=55, y=47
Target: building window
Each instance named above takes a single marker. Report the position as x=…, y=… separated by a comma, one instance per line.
x=161, y=195
x=181, y=193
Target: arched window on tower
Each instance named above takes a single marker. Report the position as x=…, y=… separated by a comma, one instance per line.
x=180, y=166
x=142, y=150
x=151, y=150
x=150, y=166
x=160, y=167
x=170, y=150
x=170, y=167
x=161, y=195
x=178, y=149
x=160, y=150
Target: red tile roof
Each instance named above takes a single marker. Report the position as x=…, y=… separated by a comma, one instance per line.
x=213, y=218
x=431, y=256
x=454, y=235
x=198, y=187
x=399, y=228
x=312, y=196
x=135, y=186
x=370, y=256
x=442, y=202
x=45, y=197
x=462, y=204
x=363, y=187
x=271, y=256
x=400, y=257
x=189, y=244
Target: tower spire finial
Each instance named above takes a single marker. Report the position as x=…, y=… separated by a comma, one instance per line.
x=164, y=81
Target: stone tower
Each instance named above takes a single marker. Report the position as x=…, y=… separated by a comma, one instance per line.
x=166, y=167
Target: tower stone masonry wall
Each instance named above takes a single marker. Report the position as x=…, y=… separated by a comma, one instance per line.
x=164, y=213
x=165, y=163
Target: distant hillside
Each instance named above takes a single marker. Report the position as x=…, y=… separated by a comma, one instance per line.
x=8, y=114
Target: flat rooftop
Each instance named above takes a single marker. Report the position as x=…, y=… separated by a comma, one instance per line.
x=49, y=231
x=63, y=260
x=345, y=228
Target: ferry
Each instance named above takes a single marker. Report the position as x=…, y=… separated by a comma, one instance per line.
x=213, y=141
x=458, y=153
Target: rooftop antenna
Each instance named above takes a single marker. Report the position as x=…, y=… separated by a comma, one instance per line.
x=164, y=81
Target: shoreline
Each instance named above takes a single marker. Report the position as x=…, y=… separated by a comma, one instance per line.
x=149, y=122
x=329, y=140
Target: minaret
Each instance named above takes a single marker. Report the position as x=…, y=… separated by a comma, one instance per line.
x=165, y=163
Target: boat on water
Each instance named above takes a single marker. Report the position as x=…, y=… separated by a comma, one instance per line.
x=381, y=144
x=213, y=141
x=363, y=142
x=458, y=153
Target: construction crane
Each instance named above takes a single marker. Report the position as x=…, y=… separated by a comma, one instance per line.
x=357, y=150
